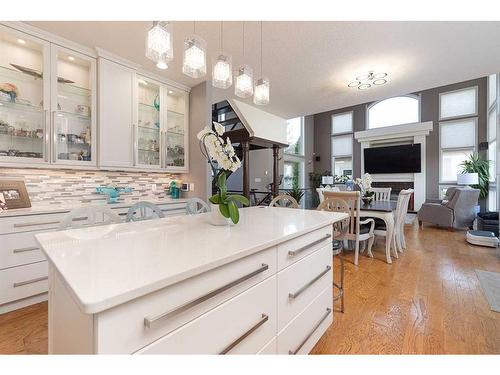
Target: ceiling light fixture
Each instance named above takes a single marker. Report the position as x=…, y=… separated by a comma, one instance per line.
x=194, y=62
x=243, y=86
x=222, y=69
x=365, y=81
x=71, y=58
x=21, y=41
x=261, y=95
x=159, y=46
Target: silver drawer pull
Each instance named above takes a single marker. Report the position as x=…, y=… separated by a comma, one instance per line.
x=295, y=252
x=328, y=311
x=148, y=322
x=262, y=320
x=32, y=281
x=298, y=292
x=23, y=225
x=24, y=249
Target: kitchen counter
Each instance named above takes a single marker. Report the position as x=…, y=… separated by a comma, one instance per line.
x=109, y=265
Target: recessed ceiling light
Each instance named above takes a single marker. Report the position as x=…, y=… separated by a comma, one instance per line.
x=21, y=41
x=162, y=65
x=364, y=86
x=71, y=58
x=365, y=81
x=380, y=82
x=379, y=75
x=170, y=92
x=354, y=84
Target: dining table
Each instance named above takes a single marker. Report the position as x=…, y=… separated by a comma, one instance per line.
x=382, y=210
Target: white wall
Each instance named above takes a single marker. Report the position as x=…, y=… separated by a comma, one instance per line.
x=259, y=123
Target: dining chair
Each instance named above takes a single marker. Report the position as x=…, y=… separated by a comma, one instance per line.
x=144, y=211
x=196, y=206
x=88, y=216
x=398, y=240
x=284, y=200
x=321, y=190
x=359, y=230
x=339, y=232
x=382, y=194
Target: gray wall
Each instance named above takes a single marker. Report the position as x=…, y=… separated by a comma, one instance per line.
x=308, y=148
x=429, y=112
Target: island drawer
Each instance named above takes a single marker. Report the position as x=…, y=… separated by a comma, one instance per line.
x=29, y=223
x=297, y=248
x=131, y=326
x=300, y=336
x=24, y=281
x=300, y=283
x=17, y=249
x=242, y=325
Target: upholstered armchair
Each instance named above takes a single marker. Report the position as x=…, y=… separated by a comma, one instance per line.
x=457, y=211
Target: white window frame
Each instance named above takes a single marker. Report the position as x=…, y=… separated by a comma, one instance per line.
x=493, y=106
x=441, y=149
x=413, y=96
x=341, y=134
x=476, y=89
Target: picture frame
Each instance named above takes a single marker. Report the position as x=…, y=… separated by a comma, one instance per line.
x=14, y=194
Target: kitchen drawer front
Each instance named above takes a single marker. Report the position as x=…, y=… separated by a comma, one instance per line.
x=296, y=249
x=131, y=326
x=300, y=336
x=242, y=325
x=23, y=281
x=30, y=223
x=17, y=249
x=300, y=283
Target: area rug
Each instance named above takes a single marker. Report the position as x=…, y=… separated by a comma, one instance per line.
x=490, y=282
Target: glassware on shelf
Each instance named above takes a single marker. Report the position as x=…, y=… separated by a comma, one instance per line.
x=175, y=153
x=148, y=123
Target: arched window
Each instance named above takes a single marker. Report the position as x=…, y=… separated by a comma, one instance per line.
x=394, y=111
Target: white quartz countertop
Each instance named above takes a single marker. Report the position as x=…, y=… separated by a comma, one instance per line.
x=42, y=209
x=108, y=265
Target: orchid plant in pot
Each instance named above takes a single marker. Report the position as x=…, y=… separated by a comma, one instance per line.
x=221, y=154
x=365, y=185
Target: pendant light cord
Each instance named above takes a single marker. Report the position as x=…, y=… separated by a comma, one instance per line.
x=221, y=36
x=243, y=39
x=261, y=68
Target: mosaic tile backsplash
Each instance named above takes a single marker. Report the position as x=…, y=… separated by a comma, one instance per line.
x=67, y=187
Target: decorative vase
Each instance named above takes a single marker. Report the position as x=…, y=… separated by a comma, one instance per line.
x=216, y=217
x=367, y=200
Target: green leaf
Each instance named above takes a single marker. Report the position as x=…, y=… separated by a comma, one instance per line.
x=233, y=212
x=221, y=184
x=239, y=198
x=215, y=199
x=224, y=210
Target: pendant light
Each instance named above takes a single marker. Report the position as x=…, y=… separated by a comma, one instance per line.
x=159, y=46
x=222, y=69
x=243, y=86
x=261, y=96
x=194, y=62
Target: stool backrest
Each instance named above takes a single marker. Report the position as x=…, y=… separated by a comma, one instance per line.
x=348, y=202
x=88, y=216
x=284, y=200
x=196, y=206
x=144, y=211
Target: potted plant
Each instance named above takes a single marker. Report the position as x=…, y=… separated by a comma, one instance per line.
x=221, y=154
x=295, y=192
x=481, y=166
x=365, y=185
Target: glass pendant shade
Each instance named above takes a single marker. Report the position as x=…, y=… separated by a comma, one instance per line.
x=222, y=72
x=261, y=95
x=194, y=63
x=159, y=46
x=243, y=86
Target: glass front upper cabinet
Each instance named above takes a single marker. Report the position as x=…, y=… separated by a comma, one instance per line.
x=73, y=107
x=176, y=134
x=148, y=123
x=24, y=97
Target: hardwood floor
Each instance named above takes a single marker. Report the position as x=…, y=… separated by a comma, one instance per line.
x=429, y=301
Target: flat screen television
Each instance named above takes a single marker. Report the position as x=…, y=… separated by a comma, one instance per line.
x=393, y=159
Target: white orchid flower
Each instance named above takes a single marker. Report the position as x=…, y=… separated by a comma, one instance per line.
x=219, y=128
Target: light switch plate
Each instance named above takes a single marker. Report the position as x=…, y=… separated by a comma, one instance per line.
x=191, y=187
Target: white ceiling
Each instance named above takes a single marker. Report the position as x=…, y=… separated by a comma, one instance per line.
x=310, y=63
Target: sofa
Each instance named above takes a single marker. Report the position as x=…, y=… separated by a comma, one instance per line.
x=456, y=211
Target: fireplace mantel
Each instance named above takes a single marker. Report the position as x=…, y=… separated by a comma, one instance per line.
x=399, y=134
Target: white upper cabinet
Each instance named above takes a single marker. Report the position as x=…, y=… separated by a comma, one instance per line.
x=24, y=98
x=176, y=132
x=73, y=107
x=116, y=102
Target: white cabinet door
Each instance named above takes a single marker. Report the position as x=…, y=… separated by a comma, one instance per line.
x=116, y=128
x=176, y=131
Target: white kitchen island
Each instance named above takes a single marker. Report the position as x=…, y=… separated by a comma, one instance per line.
x=182, y=286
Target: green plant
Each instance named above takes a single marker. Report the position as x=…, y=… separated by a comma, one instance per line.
x=315, y=178
x=481, y=166
x=295, y=192
x=227, y=202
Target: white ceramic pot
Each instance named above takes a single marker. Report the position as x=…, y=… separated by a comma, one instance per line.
x=216, y=217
